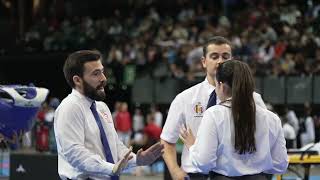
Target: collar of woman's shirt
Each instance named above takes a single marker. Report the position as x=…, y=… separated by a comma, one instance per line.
x=226, y=103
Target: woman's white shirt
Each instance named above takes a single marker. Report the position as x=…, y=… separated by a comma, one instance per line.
x=214, y=146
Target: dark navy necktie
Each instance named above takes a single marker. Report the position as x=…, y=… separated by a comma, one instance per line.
x=103, y=137
x=213, y=99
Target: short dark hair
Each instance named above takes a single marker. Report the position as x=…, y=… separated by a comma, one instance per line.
x=74, y=64
x=217, y=40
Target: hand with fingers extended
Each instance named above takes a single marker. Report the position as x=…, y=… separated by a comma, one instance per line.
x=150, y=155
x=122, y=163
x=187, y=136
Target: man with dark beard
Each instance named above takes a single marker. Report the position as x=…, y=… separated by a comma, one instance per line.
x=88, y=145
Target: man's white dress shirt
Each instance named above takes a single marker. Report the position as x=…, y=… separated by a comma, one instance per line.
x=80, y=150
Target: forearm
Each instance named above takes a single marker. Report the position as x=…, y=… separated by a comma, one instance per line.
x=82, y=159
x=73, y=150
x=170, y=157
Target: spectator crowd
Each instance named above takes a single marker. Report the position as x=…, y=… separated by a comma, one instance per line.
x=274, y=37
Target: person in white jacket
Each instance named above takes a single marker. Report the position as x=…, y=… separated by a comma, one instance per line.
x=237, y=138
x=307, y=135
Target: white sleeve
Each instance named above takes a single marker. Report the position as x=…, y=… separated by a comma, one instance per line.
x=203, y=152
x=174, y=121
x=279, y=154
x=69, y=130
x=258, y=100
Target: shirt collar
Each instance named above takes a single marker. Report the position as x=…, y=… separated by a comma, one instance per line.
x=87, y=101
x=208, y=86
x=227, y=102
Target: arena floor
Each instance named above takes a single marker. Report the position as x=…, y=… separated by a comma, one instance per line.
x=314, y=172
x=315, y=175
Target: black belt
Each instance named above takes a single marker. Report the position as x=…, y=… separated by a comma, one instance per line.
x=197, y=176
x=260, y=176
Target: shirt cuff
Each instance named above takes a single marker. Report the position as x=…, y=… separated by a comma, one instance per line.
x=169, y=139
x=191, y=148
x=108, y=167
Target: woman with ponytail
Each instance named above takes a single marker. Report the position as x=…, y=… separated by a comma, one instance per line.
x=236, y=138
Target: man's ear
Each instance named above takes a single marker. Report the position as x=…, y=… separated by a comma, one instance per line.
x=77, y=80
x=203, y=62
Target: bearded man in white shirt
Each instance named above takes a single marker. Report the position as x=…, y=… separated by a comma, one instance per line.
x=88, y=145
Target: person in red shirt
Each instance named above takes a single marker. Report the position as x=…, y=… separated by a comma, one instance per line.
x=151, y=131
x=124, y=124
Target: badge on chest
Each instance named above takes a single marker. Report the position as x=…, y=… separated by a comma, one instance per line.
x=198, y=110
x=105, y=116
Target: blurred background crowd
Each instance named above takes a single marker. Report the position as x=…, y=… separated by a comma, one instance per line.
x=278, y=37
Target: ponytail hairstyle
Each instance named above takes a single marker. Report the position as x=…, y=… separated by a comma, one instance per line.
x=237, y=75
